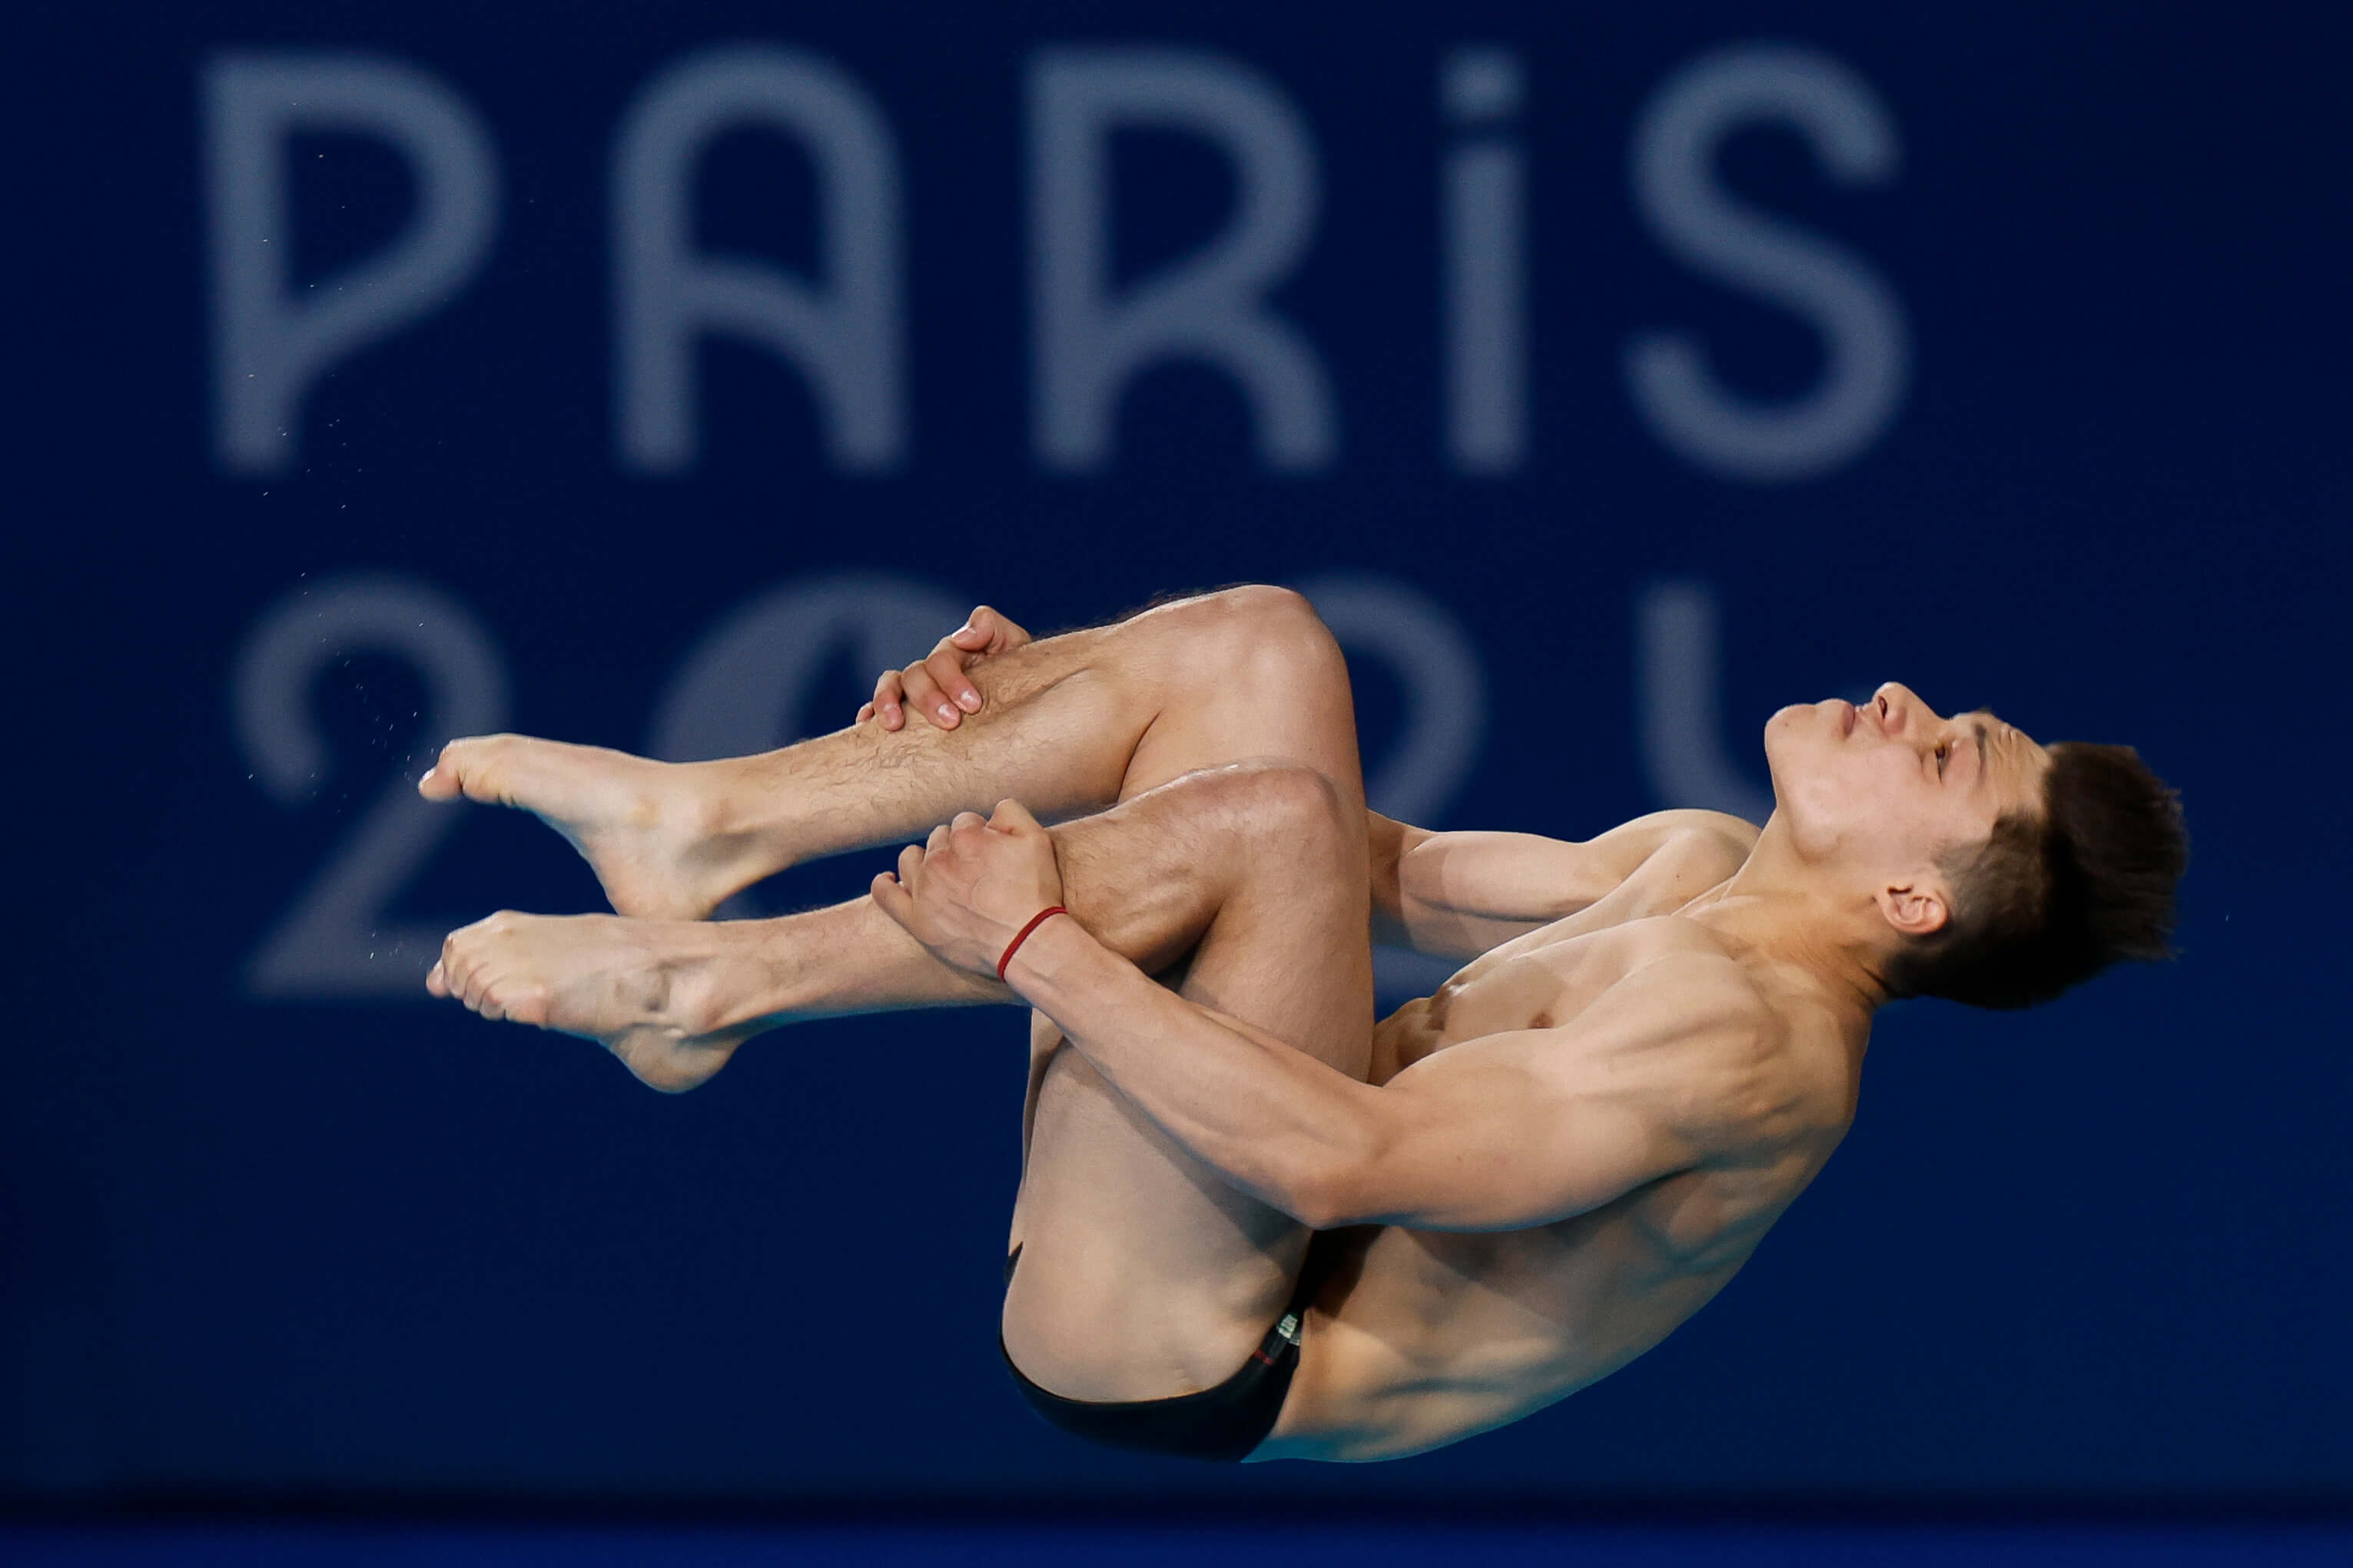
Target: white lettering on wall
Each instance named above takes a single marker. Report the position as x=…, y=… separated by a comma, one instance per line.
x=339, y=939
x=843, y=334
x=269, y=342
x=844, y=330
x=746, y=685
x=1679, y=727
x=1483, y=262
x=1861, y=321
x=1088, y=344
x=1433, y=657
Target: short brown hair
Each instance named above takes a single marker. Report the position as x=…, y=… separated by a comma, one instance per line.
x=2051, y=899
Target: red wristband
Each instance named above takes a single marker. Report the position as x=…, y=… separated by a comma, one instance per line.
x=1040, y=918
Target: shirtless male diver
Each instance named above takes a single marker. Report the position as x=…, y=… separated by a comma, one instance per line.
x=1513, y=1187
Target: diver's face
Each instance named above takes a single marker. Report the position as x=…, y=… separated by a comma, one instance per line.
x=1891, y=786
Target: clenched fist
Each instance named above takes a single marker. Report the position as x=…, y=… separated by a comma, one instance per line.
x=968, y=892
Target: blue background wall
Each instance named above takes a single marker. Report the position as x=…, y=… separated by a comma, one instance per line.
x=277, y=1225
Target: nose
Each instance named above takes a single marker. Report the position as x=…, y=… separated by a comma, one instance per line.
x=1900, y=706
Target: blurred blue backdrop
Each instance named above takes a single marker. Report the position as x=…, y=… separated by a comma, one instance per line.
x=649, y=376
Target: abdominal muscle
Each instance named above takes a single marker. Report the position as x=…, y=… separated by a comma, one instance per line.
x=1422, y=1338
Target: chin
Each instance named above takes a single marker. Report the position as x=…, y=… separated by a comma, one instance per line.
x=1787, y=725
x=1795, y=749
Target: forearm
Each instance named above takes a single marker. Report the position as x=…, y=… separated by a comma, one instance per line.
x=1462, y=894
x=1457, y=895
x=1390, y=842
x=1273, y=1120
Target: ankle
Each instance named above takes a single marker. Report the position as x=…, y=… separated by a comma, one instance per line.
x=713, y=984
x=732, y=809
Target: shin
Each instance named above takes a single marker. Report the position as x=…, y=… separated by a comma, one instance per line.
x=1069, y=725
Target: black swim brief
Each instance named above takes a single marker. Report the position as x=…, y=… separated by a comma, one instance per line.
x=1224, y=1423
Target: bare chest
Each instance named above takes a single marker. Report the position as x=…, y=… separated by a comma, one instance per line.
x=1433, y=1336
x=1542, y=981
x=1548, y=976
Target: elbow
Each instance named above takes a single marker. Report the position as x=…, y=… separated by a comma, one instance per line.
x=1349, y=1173
x=1329, y=1195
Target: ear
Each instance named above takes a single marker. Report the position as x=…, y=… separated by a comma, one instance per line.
x=1914, y=910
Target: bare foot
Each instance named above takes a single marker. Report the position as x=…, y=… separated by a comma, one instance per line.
x=639, y=824
x=644, y=990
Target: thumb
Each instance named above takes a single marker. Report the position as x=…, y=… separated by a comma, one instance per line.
x=1012, y=816
x=973, y=635
x=1005, y=634
x=891, y=899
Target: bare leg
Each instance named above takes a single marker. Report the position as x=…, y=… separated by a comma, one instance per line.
x=674, y=998
x=1143, y=1273
x=1068, y=725
x=1146, y=1274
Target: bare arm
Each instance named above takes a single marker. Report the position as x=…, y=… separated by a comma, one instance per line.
x=1452, y=895
x=1518, y=1129
x=1502, y=1133
x=1458, y=894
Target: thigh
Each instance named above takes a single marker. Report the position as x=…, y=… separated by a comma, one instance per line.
x=1142, y=1273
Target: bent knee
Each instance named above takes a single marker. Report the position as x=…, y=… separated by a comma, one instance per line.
x=1268, y=606
x=1274, y=803
x=1259, y=635
x=1275, y=632
x=1285, y=797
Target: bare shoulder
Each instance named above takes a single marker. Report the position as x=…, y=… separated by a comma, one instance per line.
x=1672, y=857
x=1717, y=843
x=1702, y=993
x=1632, y=842
x=1677, y=993
x=1696, y=1019
x=1717, y=825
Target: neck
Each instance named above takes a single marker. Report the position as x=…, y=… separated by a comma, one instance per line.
x=1777, y=912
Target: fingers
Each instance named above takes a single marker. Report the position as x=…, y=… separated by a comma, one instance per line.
x=946, y=666
x=885, y=703
x=937, y=687
x=1012, y=816
x=994, y=633
x=895, y=895
x=436, y=983
x=891, y=899
x=924, y=696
